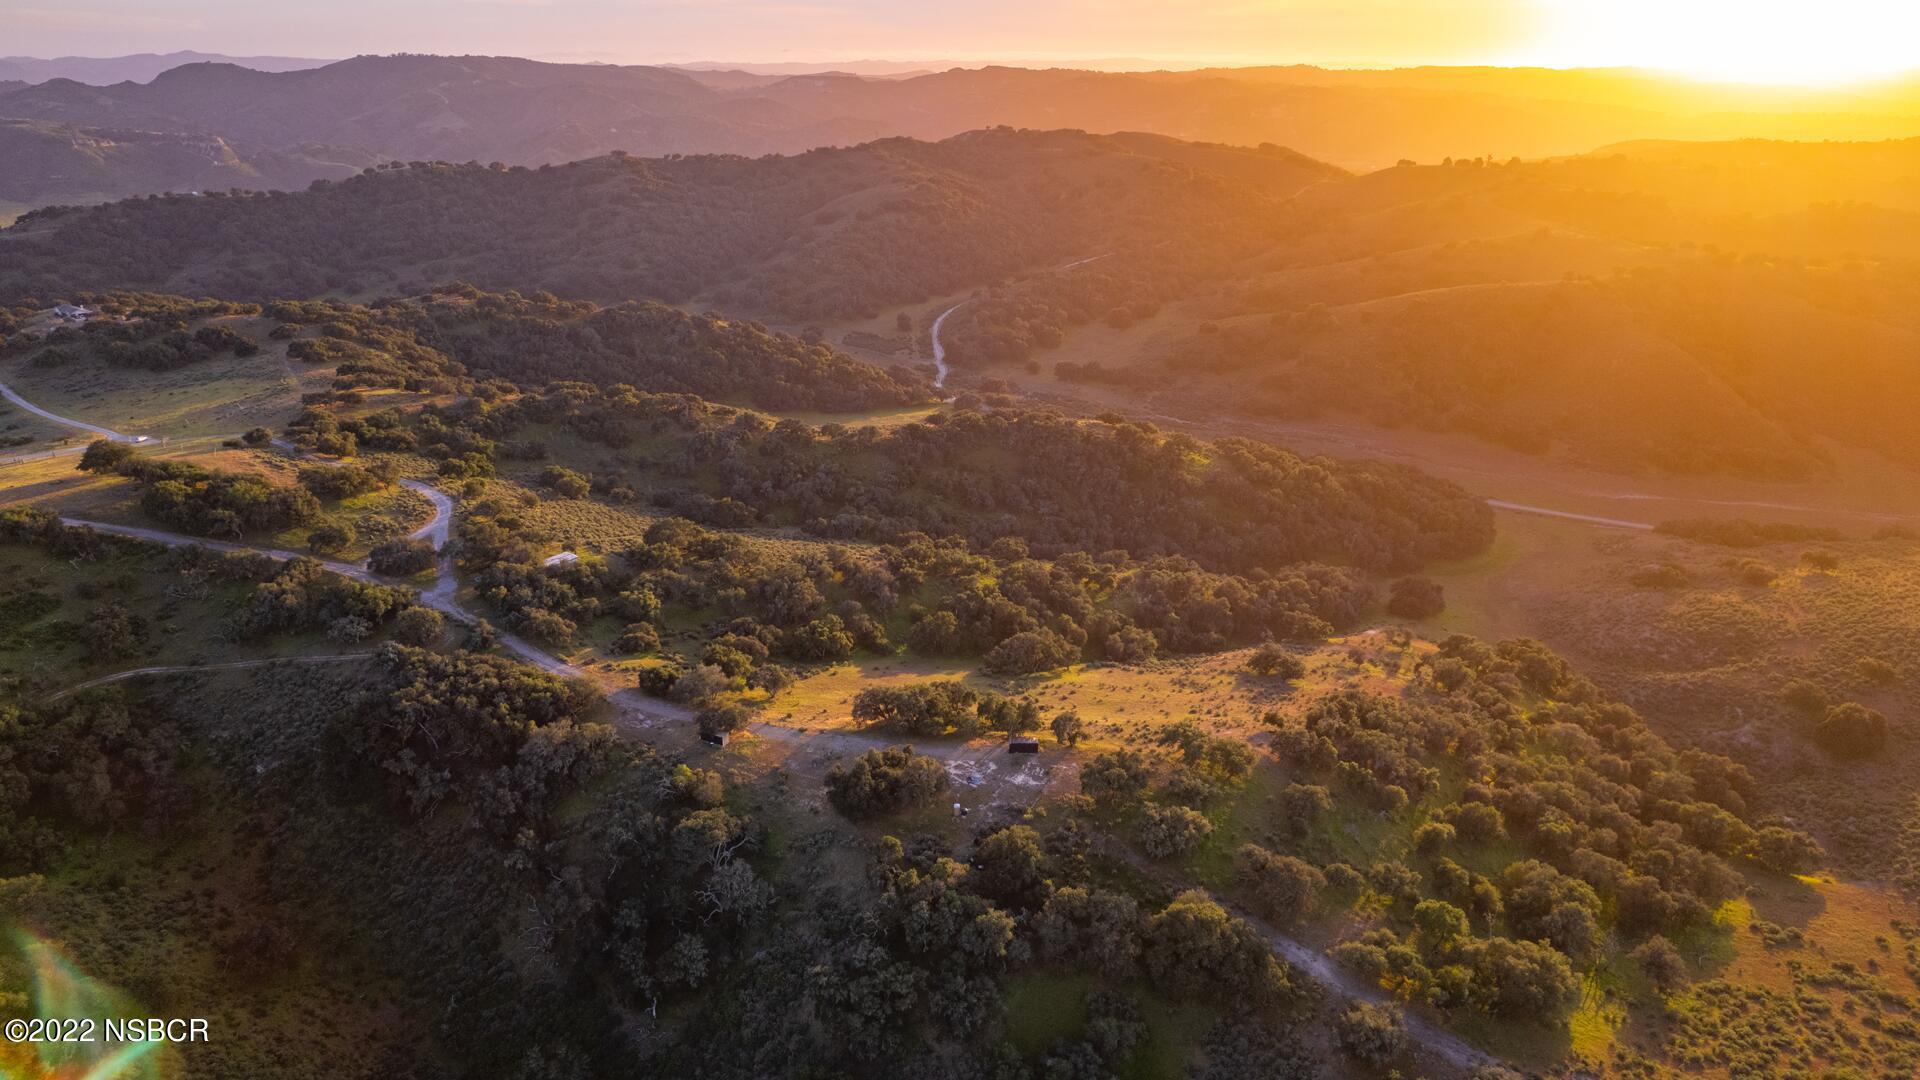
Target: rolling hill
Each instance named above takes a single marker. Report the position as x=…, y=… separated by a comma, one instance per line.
x=1735, y=308
x=831, y=233
x=1650, y=306
x=95, y=162
x=523, y=112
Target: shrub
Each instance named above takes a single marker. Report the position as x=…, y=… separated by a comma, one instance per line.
x=1524, y=978
x=1877, y=671
x=923, y=709
x=1475, y=822
x=884, y=781
x=418, y=626
x=1031, y=651
x=1736, y=533
x=1784, y=850
x=1851, y=730
x=1804, y=695
x=701, y=683
x=1068, y=728
x=344, y=481
x=1416, y=598
x=402, y=558
x=1173, y=830
x=1271, y=661
x=717, y=716
x=1115, y=779
x=1195, y=949
x=327, y=539
x=1375, y=1034
x=637, y=638
x=1283, y=888
x=565, y=482
x=1434, y=837
x=1661, y=963
x=547, y=627
x=104, y=456
x=112, y=631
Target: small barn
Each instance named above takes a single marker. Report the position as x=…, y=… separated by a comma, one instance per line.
x=1023, y=744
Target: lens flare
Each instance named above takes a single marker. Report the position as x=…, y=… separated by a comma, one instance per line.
x=60, y=991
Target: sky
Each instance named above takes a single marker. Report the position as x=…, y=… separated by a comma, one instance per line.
x=1779, y=41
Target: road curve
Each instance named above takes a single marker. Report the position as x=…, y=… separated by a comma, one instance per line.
x=7, y=392
x=933, y=334
x=443, y=596
x=939, y=350
x=1428, y=1038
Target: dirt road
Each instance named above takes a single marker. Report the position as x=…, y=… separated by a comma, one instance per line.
x=7, y=392
x=178, y=669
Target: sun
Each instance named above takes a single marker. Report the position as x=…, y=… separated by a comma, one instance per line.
x=1786, y=42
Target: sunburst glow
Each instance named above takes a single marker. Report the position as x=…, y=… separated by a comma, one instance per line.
x=1758, y=41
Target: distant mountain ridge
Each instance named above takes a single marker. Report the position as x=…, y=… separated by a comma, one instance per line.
x=137, y=67
x=526, y=112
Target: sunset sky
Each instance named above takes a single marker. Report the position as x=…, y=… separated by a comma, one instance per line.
x=1758, y=40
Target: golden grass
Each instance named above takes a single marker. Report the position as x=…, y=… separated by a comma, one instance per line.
x=224, y=395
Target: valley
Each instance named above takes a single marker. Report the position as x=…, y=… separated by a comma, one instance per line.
x=866, y=589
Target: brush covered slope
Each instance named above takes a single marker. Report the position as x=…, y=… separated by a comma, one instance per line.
x=829, y=233
x=1477, y=836
x=1649, y=307
x=456, y=339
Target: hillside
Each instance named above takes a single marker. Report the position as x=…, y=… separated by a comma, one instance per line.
x=445, y=342
x=1645, y=308
x=831, y=233
x=522, y=112
x=446, y=108
x=48, y=161
x=1650, y=307
x=1602, y=373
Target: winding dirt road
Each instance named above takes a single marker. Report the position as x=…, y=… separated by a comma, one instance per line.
x=8, y=393
x=977, y=765
x=1430, y=1040
x=939, y=350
